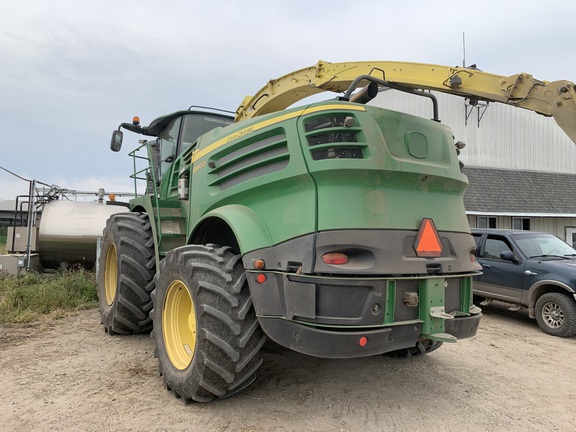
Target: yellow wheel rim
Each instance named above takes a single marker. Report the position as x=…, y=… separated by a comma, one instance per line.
x=111, y=273
x=179, y=325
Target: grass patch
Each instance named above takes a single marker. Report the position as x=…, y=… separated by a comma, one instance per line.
x=32, y=296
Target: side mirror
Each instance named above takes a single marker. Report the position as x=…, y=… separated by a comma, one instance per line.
x=116, y=141
x=508, y=256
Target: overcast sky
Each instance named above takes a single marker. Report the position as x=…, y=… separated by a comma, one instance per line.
x=73, y=70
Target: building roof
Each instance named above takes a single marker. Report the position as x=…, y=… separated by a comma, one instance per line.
x=502, y=192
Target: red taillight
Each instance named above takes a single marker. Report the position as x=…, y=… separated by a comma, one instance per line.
x=261, y=278
x=363, y=341
x=335, y=258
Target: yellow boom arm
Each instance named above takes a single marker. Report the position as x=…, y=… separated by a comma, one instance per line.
x=556, y=99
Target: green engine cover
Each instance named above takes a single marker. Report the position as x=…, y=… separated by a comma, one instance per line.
x=332, y=165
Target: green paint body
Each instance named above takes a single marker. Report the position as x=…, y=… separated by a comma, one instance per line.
x=325, y=168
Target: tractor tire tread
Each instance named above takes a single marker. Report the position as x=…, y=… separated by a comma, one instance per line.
x=228, y=335
x=129, y=312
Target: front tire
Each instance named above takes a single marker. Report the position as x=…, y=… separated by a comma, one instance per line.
x=556, y=314
x=126, y=274
x=206, y=333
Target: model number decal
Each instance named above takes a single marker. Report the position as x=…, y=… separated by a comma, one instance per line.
x=199, y=167
x=239, y=134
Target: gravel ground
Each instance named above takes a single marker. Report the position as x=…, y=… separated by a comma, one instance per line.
x=68, y=375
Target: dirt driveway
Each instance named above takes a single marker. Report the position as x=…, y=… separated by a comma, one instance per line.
x=68, y=375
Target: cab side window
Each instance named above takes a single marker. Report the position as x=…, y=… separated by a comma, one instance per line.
x=494, y=247
x=168, y=145
x=197, y=124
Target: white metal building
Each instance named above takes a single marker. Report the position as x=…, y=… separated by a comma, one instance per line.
x=521, y=165
x=7, y=212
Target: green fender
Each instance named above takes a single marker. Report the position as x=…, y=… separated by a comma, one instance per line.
x=249, y=229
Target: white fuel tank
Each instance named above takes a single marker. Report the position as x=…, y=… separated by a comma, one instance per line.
x=69, y=229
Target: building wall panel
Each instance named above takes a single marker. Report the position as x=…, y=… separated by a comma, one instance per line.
x=507, y=137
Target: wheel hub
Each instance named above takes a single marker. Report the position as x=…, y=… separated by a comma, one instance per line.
x=553, y=315
x=179, y=325
x=111, y=273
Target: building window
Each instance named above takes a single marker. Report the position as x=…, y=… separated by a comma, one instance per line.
x=521, y=224
x=486, y=222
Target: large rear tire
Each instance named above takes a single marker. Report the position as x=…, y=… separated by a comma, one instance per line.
x=126, y=274
x=207, y=336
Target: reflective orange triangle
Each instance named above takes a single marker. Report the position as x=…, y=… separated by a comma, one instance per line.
x=428, y=243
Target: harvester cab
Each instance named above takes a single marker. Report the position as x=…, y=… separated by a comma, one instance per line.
x=172, y=135
x=336, y=228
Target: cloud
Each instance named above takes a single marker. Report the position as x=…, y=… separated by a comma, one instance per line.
x=74, y=71
x=11, y=187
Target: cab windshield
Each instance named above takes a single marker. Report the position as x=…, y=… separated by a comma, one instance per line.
x=183, y=131
x=198, y=124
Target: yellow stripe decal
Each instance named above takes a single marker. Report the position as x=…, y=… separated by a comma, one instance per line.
x=333, y=107
x=197, y=154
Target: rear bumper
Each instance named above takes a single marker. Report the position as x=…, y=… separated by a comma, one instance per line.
x=463, y=327
x=336, y=343
x=342, y=317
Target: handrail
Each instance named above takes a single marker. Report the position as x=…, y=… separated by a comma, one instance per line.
x=150, y=176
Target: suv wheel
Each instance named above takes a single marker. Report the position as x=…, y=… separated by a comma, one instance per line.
x=556, y=314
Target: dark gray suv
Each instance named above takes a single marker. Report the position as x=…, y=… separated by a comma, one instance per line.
x=529, y=269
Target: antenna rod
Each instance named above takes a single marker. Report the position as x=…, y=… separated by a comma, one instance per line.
x=463, y=49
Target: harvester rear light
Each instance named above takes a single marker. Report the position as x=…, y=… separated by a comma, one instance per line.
x=261, y=278
x=258, y=264
x=335, y=258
